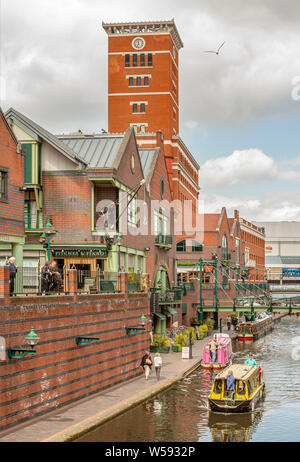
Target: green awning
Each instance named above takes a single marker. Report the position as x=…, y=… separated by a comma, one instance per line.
x=160, y=316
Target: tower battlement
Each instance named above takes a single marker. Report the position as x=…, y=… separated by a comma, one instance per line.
x=144, y=28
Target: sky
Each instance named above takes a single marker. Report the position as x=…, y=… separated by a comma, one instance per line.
x=239, y=110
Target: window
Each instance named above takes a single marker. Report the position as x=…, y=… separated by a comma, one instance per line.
x=142, y=107
x=196, y=246
x=134, y=60
x=161, y=224
x=181, y=246
x=143, y=129
x=138, y=81
x=127, y=60
x=146, y=80
x=130, y=81
x=3, y=184
x=30, y=211
x=132, y=210
x=150, y=63
x=142, y=58
x=134, y=108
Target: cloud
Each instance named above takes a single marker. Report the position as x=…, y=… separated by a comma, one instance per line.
x=270, y=207
x=247, y=165
x=54, y=58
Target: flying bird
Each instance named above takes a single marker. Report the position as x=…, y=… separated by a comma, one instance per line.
x=216, y=52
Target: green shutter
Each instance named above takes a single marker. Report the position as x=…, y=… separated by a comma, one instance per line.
x=28, y=163
x=184, y=308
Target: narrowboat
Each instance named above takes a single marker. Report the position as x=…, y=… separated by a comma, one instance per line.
x=252, y=330
x=249, y=389
x=224, y=352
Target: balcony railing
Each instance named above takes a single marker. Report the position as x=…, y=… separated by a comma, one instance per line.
x=167, y=296
x=163, y=241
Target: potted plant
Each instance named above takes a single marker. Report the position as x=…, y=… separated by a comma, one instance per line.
x=176, y=347
x=203, y=331
x=210, y=324
x=161, y=344
x=194, y=321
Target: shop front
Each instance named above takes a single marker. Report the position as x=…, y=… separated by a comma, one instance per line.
x=91, y=262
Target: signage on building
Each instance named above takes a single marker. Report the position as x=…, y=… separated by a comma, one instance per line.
x=291, y=272
x=83, y=253
x=269, y=247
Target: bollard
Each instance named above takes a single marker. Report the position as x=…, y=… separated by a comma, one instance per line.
x=4, y=282
x=71, y=287
x=123, y=282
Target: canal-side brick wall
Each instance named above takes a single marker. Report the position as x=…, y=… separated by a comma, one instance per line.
x=61, y=372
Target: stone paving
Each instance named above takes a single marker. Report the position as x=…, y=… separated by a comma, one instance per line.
x=74, y=420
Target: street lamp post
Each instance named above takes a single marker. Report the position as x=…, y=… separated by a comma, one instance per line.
x=119, y=242
x=48, y=231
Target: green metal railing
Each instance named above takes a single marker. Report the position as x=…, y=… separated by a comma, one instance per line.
x=168, y=296
x=163, y=240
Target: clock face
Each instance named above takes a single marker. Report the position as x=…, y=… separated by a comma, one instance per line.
x=138, y=43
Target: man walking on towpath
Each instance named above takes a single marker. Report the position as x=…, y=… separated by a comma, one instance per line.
x=146, y=363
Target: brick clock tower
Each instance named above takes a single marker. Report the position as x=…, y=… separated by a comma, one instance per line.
x=143, y=89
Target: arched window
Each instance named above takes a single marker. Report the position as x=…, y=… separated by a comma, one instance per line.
x=224, y=242
x=181, y=246
x=224, y=247
x=197, y=246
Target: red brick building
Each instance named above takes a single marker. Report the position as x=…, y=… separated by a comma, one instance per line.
x=224, y=240
x=253, y=242
x=143, y=92
x=11, y=193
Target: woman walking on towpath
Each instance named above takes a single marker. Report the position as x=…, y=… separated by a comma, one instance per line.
x=157, y=364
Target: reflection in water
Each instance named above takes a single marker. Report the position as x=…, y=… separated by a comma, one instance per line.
x=180, y=413
x=230, y=428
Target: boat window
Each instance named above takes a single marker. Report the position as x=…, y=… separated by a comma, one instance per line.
x=218, y=386
x=249, y=387
x=241, y=389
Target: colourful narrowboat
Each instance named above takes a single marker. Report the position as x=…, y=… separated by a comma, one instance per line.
x=252, y=330
x=248, y=389
x=224, y=352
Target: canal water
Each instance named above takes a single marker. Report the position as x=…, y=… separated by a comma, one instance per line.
x=180, y=414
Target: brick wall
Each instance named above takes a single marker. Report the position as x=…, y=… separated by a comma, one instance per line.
x=12, y=211
x=62, y=372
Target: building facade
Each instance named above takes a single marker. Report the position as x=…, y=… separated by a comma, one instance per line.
x=12, y=232
x=143, y=92
x=282, y=249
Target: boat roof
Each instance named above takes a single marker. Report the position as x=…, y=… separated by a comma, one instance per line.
x=239, y=371
x=222, y=340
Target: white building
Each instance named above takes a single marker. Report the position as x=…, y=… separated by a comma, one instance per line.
x=282, y=255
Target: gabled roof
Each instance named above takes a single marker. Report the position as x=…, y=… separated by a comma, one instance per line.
x=96, y=151
x=54, y=141
x=148, y=161
x=9, y=129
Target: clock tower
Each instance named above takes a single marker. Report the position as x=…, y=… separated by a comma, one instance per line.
x=143, y=92
x=143, y=85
